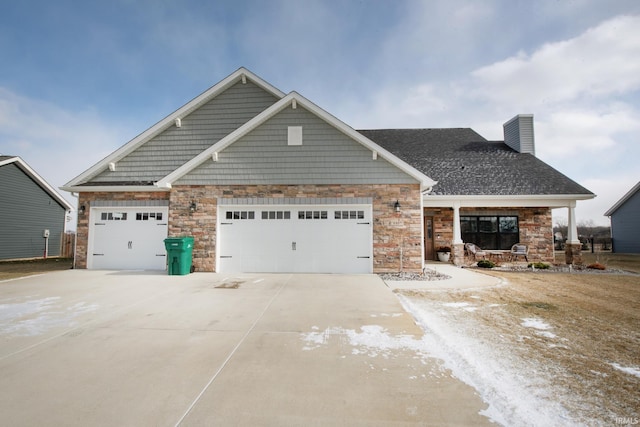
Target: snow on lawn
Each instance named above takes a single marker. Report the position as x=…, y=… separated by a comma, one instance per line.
x=542, y=328
x=514, y=388
x=627, y=370
x=37, y=316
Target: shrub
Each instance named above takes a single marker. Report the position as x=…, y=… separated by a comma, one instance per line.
x=596, y=266
x=538, y=265
x=444, y=249
x=485, y=263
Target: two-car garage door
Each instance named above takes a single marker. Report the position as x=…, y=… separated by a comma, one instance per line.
x=305, y=239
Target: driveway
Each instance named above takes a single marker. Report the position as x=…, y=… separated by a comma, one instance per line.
x=105, y=348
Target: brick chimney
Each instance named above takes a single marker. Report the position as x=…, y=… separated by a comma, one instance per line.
x=518, y=134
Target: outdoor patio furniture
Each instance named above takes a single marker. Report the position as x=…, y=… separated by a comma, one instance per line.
x=474, y=250
x=519, y=250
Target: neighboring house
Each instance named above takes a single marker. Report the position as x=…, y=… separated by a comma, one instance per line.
x=32, y=213
x=625, y=222
x=270, y=182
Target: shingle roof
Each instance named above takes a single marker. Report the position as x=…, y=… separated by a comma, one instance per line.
x=465, y=163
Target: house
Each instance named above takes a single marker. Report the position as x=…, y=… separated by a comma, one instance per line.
x=33, y=213
x=625, y=222
x=269, y=182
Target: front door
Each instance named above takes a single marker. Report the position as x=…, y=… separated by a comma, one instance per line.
x=428, y=239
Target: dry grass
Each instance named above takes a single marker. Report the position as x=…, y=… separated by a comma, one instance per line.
x=15, y=269
x=595, y=320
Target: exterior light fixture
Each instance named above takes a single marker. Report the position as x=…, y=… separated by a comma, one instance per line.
x=82, y=209
x=396, y=206
x=193, y=207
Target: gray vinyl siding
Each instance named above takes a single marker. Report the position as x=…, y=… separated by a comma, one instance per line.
x=26, y=210
x=326, y=156
x=519, y=135
x=202, y=128
x=625, y=226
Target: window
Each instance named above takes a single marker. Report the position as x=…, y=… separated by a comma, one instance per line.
x=240, y=215
x=349, y=214
x=490, y=232
x=276, y=214
x=113, y=216
x=149, y=216
x=312, y=214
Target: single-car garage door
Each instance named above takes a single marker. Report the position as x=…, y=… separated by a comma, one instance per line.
x=299, y=239
x=127, y=238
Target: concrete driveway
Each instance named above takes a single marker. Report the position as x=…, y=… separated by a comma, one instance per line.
x=100, y=348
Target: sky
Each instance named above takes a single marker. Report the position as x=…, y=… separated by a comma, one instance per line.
x=78, y=79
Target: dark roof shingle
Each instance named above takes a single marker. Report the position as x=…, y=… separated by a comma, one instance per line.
x=465, y=163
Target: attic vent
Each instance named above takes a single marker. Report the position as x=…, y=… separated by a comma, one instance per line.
x=294, y=135
x=178, y=122
x=112, y=166
x=518, y=134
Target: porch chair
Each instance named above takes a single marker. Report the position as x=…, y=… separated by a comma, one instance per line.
x=519, y=249
x=474, y=250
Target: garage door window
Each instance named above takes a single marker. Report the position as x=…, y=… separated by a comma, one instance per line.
x=241, y=215
x=148, y=216
x=312, y=214
x=113, y=216
x=349, y=215
x=276, y=215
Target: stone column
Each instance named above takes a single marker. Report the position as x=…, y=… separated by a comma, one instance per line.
x=573, y=246
x=458, y=254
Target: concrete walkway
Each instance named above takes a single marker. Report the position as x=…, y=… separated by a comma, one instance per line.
x=460, y=278
x=100, y=348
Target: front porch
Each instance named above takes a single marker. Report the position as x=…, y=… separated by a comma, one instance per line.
x=496, y=228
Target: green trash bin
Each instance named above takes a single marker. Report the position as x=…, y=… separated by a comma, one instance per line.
x=179, y=251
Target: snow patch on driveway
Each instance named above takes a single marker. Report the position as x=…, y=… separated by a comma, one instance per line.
x=37, y=316
x=370, y=340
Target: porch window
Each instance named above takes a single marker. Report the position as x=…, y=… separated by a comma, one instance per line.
x=490, y=232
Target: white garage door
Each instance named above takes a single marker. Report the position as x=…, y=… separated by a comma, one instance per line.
x=127, y=238
x=298, y=239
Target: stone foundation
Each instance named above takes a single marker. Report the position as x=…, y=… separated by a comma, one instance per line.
x=573, y=253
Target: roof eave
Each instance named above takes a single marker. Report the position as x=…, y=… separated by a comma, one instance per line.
x=113, y=188
x=534, y=200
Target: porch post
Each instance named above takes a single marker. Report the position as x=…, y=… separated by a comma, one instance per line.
x=573, y=246
x=458, y=246
x=457, y=236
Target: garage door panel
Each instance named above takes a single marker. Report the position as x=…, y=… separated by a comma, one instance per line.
x=299, y=239
x=128, y=238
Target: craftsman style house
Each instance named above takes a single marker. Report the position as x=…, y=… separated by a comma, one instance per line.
x=269, y=182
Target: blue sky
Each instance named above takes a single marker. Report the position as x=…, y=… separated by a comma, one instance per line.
x=80, y=78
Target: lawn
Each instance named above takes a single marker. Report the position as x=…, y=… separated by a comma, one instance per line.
x=567, y=344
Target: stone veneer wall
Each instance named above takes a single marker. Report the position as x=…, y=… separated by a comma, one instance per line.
x=82, y=231
x=535, y=224
x=391, y=231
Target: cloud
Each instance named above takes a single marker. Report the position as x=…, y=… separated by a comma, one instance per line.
x=599, y=62
x=59, y=144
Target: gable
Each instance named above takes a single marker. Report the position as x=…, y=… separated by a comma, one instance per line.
x=21, y=184
x=630, y=195
x=198, y=130
x=326, y=156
